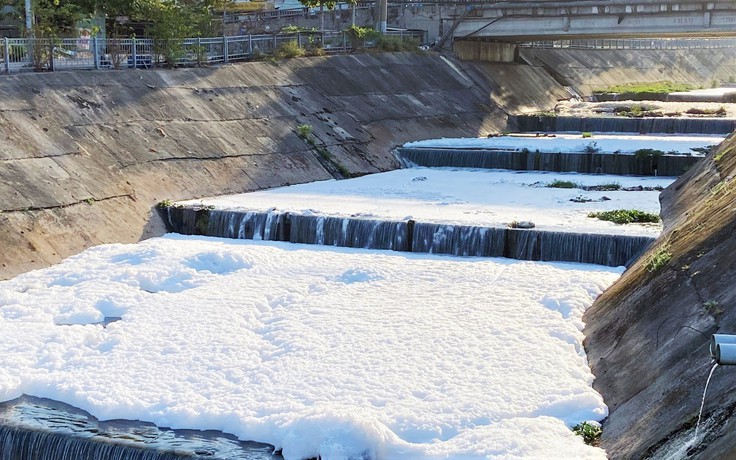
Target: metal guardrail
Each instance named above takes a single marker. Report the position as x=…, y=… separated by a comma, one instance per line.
x=44, y=54
x=634, y=44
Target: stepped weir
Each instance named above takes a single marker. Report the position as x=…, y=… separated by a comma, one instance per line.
x=526, y=160
x=666, y=125
x=408, y=236
x=40, y=429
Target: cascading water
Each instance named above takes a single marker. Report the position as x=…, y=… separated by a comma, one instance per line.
x=666, y=125
x=411, y=236
x=40, y=429
x=591, y=163
x=702, y=402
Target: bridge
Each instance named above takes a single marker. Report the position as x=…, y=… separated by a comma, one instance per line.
x=520, y=21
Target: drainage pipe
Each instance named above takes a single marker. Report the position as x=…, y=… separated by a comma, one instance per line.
x=726, y=354
x=718, y=339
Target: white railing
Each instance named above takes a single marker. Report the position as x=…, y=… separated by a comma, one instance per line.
x=44, y=54
x=634, y=44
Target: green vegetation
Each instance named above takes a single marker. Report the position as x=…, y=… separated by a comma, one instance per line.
x=557, y=183
x=288, y=50
x=626, y=216
x=164, y=204
x=587, y=135
x=658, y=87
x=713, y=307
x=658, y=258
x=304, y=131
x=644, y=154
x=591, y=432
x=721, y=153
x=609, y=187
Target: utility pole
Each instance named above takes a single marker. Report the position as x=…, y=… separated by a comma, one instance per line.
x=382, y=15
x=29, y=18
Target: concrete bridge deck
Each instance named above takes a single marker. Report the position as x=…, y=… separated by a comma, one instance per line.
x=539, y=20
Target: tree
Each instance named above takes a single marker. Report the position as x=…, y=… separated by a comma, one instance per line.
x=330, y=4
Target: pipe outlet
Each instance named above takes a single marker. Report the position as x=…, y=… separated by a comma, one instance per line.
x=726, y=354
x=718, y=339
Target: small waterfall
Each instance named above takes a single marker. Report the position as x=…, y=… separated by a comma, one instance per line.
x=34, y=428
x=664, y=125
x=592, y=163
x=22, y=444
x=702, y=402
x=348, y=232
x=411, y=236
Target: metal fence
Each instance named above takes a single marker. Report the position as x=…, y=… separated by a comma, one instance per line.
x=635, y=44
x=44, y=54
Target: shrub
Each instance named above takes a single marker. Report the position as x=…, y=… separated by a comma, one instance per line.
x=591, y=432
x=626, y=216
x=164, y=204
x=587, y=135
x=288, y=50
x=647, y=153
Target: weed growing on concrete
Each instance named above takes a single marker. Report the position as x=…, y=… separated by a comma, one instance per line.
x=304, y=131
x=557, y=183
x=164, y=204
x=713, y=307
x=659, y=258
x=591, y=432
x=587, y=135
x=659, y=87
x=626, y=216
x=609, y=187
x=592, y=148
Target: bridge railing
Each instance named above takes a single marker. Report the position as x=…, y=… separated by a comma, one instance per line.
x=44, y=54
x=634, y=44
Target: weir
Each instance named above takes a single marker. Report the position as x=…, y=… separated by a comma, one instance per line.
x=665, y=125
x=526, y=160
x=408, y=236
x=34, y=428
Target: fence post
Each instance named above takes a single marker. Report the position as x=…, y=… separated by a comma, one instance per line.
x=345, y=41
x=51, y=57
x=224, y=49
x=274, y=43
x=199, y=53
x=250, y=45
x=298, y=40
x=96, y=53
x=401, y=35
x=135, y=54
x=6, y=54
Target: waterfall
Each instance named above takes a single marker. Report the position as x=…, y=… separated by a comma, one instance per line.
x=26, y=425
x=411, y=236
x=592, y=163
x=26, y=444
x=665, y=125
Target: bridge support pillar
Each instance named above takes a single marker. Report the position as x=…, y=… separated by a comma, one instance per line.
x=475, y=50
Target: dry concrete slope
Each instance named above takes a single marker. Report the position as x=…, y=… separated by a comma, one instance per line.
x=85, y=156
x=587, y=70
x=647, y=335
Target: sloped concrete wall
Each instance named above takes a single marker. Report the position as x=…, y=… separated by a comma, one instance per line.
x=588, y=70
x=85, y=156
x=647, y=335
